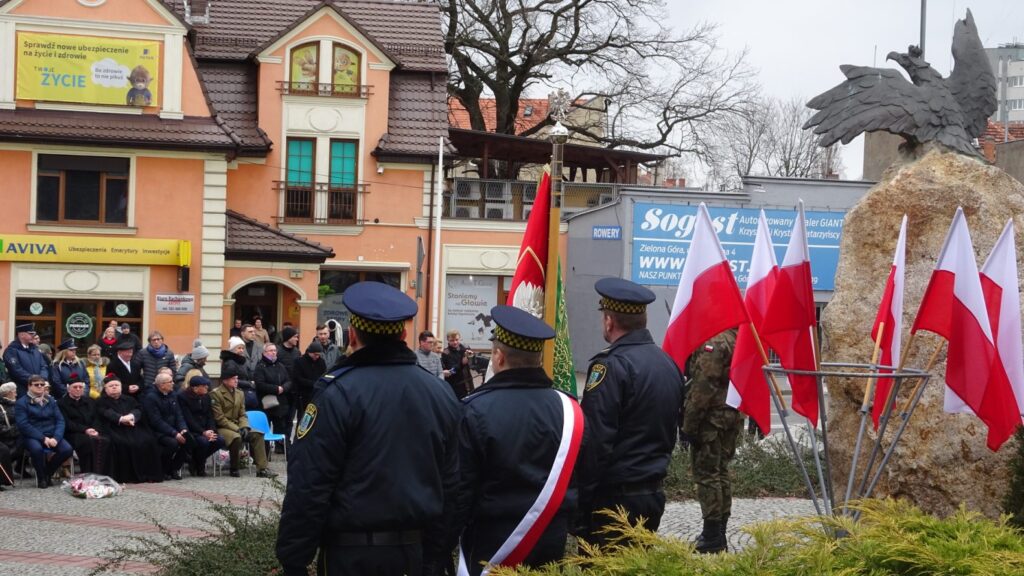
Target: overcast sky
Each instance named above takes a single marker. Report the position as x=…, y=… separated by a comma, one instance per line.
x=798, y=45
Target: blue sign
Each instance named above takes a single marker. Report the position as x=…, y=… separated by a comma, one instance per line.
x=607, y=233
x=662, y=234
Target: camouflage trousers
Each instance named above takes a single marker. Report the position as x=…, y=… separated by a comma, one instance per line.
x=709, y=461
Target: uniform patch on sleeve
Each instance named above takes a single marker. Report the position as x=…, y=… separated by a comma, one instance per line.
x=597, y=374
x=306, y=424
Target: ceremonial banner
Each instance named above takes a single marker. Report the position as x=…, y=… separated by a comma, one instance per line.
x=88, y=69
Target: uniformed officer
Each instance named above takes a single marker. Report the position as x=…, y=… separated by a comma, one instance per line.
x=372, y=473
x=509, y=440
x=711, y=427
x=632, y=404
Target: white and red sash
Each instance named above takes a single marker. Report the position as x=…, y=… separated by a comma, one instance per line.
x=522, y=540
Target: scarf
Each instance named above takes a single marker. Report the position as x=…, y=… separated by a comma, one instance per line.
x=41, y=399
x=157, y=352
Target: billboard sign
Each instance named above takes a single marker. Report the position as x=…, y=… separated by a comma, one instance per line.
x=88, y=69
x=662, y=235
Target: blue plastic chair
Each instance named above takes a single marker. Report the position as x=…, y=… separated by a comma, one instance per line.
x=258, y=422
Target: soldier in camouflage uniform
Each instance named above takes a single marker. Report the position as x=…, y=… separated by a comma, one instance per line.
x=711, y=427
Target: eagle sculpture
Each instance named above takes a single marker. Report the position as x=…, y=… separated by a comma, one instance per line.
x=951, y=111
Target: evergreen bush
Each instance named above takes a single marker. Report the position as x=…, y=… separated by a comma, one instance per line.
x=1013, y=501
x=891, y=538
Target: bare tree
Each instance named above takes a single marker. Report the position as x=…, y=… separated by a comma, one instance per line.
x=662, y=88
x=768, y=139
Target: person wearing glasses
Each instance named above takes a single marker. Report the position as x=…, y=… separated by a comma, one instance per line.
x=154, y=356
x=41, y=426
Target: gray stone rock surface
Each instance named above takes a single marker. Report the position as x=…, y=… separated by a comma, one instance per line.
x=942, y=459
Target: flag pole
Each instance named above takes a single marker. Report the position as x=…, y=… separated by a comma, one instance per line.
x=558, y=135
x=915, y=397
x=777, y=398
x=823, y=418
x=435, y=260
x=890, y=402
x=764, y=358
x=864, y=413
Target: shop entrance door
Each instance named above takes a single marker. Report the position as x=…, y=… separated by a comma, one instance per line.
x=260, y=299
x=82, y=320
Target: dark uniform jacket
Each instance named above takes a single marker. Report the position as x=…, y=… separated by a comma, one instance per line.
x=376, y=450
x=23, y=362
x=163, y=413
x=197, y=411
x=508, y=439
x=62, y=372
x=632, y=404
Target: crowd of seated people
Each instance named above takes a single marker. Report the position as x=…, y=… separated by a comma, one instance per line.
x=134, y=412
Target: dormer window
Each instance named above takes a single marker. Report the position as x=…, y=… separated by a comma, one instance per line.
x=309, y=75
x=527, y=111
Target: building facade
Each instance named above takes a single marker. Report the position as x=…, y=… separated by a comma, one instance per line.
x=177, y=165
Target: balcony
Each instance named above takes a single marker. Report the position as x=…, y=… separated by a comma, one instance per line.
x=512, y=200
x=318, y=89
x=319, y=203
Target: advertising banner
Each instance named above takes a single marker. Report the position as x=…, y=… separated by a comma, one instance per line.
x=88, y=69
x=468, y=303
x=95, y=250
x=662, y=234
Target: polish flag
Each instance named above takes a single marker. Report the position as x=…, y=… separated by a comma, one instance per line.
x=748, y=389
x=791, y=320
x=890, y=311
x=708, y=300
x=953, y=307
x=999, y=282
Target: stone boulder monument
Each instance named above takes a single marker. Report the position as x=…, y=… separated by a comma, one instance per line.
x=942, y=460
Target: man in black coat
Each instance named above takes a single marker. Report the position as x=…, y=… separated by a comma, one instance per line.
x=168, y=425
x=632, y=402
x=510, y=438
x=372, y=473
x=307, y=370
x=81, y=426
x=126, y=368
x=197, y=409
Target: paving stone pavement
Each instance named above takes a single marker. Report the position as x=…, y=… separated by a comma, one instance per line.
x=682, y=519
x=33, y=520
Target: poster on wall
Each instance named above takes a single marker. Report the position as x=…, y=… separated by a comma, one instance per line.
x=662, y=235
x=88, y=69
x=468, y=303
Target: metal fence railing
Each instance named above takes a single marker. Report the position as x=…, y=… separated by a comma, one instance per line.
x=512, y=200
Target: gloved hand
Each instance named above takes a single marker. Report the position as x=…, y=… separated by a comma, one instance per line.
x=688, y=439
x=244, y=433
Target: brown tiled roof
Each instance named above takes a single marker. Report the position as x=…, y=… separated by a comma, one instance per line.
x=250, y=239
x=407, y=31
x=231, y=88
x=995, y=131
x=458, y=116
x=137, y=131
x=418, y=116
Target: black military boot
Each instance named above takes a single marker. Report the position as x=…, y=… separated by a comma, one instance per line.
x=711, y=539
x=722, y=531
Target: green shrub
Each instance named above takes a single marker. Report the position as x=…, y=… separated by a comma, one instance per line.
x=761, y=468
x=240, y=543
x=891, y=538
x=1013, y=501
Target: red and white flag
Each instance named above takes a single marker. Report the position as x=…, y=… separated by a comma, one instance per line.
x=953, y=307
x=748, y=389
x=999, y=283
x=791, y=320
x=890, y=311
x=708, y=300
x=528, y=283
